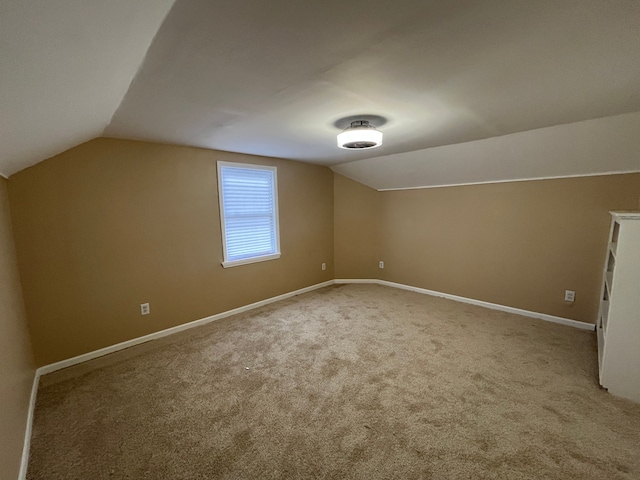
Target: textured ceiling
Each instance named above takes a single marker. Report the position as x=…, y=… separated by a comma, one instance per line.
x=272, y=78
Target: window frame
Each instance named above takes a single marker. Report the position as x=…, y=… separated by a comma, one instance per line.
x=226, y=263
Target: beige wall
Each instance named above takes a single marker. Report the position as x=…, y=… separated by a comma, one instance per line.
x=16, y=361
x=520, y=244
x=356, y=229
x=111, y=224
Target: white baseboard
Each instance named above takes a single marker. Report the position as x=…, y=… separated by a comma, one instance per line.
x=24, y=463
x=196, y=323
x=170, y=331
x=493, y=306
x=130, y=343
x=356, y=280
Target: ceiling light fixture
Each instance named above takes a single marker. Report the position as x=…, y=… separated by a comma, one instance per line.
x=360, y=135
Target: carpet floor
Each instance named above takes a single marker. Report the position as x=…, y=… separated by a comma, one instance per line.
x=351, y=381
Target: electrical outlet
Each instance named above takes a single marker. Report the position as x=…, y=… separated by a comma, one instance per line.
x=381, y=264
x=145, y=309
x=569, y=296
x=324, y=266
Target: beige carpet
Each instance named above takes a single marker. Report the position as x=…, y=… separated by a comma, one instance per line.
x=355, y=381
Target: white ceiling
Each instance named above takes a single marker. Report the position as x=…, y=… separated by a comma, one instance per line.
x=591, y=147
x=64, y=67
x=272, y=78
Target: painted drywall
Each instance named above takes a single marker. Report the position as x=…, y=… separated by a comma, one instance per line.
x=520, y=244
x=111, y=224
x=592, y=147
x=17, y=369
x=66, y=66
x=440, y=72
x=356, y=229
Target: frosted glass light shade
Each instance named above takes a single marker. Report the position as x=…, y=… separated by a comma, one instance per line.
x=360, y=136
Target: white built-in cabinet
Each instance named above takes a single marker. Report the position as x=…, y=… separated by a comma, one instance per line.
x=618, y=325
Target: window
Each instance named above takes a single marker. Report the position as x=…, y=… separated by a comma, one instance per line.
x=248, y=213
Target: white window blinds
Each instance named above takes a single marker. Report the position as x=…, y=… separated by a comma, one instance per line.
x=248, y=212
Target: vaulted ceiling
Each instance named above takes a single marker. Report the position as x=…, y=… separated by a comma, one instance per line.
x=275, y=78
x=65, y=67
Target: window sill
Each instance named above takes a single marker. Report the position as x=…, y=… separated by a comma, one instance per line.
x=246, y=261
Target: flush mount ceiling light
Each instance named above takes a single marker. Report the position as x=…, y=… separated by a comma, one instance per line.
x=360, y=135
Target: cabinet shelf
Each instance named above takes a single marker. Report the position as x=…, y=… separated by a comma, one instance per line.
x=608, y=279
x=618, y=323
x=604, y=314
x=600, y=333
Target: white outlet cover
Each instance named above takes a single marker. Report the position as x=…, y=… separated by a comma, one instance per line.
x=569, y=295
x=145, y=309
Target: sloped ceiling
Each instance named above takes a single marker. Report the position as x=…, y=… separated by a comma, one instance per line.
x=591, y=147
x=65, y=67
x=274, y=78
